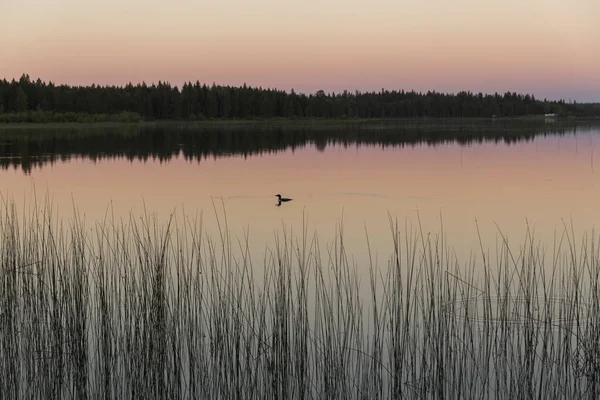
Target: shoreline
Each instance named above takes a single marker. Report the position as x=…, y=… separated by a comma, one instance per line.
x=303, y=122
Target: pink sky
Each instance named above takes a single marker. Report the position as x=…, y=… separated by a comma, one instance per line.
x=547, y=47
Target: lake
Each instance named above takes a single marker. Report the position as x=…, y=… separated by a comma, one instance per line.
x=502, y=176
x=423, y=259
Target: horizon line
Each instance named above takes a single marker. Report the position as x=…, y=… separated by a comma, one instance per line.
x=292, y=90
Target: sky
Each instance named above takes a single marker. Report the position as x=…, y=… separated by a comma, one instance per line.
x=550, y=48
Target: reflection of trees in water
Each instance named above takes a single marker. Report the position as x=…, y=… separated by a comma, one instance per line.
x=35, y=148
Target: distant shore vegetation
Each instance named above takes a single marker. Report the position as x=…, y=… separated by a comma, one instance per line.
x=27, y=100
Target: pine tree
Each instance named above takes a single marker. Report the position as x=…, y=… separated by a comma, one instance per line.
x=21, y=100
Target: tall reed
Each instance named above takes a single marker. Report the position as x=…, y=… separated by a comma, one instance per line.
x=143, y=309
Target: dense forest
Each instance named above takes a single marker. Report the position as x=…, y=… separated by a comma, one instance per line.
x=27, y=100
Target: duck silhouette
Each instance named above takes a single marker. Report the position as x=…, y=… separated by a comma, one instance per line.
x=281, y=199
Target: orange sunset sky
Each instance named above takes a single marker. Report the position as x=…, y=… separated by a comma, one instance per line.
x=550, y=48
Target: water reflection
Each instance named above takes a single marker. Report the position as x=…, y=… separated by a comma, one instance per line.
x=26, y=149
x=437, y=177
x=471, y=195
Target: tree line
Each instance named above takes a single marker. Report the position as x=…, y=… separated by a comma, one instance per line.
x=38, y=101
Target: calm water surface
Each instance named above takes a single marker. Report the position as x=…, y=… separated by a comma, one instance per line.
x=500, y=178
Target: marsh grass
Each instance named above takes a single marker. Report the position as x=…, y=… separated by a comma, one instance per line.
x=142, y=309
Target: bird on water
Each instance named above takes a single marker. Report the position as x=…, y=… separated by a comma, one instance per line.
x=281, y=199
